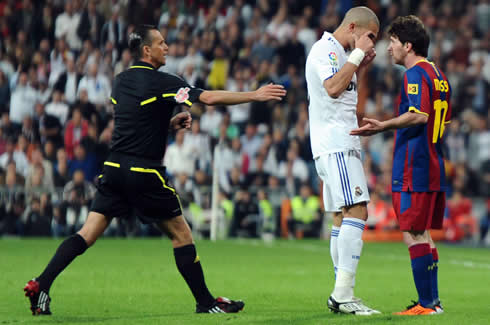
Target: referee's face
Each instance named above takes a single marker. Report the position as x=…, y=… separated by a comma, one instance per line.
x=159, y=48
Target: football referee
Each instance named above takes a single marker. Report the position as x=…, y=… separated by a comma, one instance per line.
x=133, y=180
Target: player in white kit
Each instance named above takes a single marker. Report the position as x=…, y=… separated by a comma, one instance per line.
x=332, y=90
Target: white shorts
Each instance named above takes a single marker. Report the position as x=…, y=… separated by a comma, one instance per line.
x=344, y=182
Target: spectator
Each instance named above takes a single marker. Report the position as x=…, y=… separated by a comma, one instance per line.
x=293, y=171
x=37, y=217
x=29, y=130
x=83, y=161
x=292, y=52
x=57, y=60
x=267, y=218
x=48, y=125
x=68, y=82
x=57, y=107
x=305, y=34
x=89, y=110
x=124, y=63
x=43, y=25
x=239, y=114
x=97, y=85
x=250, y=141
x=257, y=176
x=218, y=69
x=61, y=172
x=193, y=58
x=9, y=129
x=381, y=214
x=22, y=165
x=4, y=92
x=23, y=100
x=279, y=27
x=77, y=195
x=179, y=157
x=114, y=30
x=305, y=219
x=41, y=173
x=76, y=129
x=49, y=152
x=245, y=216
x=172, y=18
x=461, y=223
x=90, y=24
x=200, y=146
x=66, y=26
x=210, y=121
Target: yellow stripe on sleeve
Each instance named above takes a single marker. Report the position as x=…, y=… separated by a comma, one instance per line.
x=147, y=101
x=113, y=101
x=413, y=109
x=112, y=164
x=188, y=102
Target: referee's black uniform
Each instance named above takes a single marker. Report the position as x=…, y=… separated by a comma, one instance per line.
x=134, y=179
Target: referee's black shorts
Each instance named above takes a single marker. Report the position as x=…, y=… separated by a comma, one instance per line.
x=131, y=185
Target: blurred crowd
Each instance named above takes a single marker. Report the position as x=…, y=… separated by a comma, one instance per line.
x=58, y=59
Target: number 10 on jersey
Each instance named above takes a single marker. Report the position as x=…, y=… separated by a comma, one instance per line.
x=439, y=105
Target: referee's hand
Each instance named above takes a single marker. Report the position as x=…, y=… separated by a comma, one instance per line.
x=182, y=120
x=270, y=92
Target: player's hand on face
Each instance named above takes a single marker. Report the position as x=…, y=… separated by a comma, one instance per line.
x=368, y=58
x=365, y=42
x=371, y=127
x=270, y=92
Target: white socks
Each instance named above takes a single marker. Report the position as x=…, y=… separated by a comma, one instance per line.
x=349, y=247
x=334, y=235
x=343, y=290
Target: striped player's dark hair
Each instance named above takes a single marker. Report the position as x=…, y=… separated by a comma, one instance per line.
x=411, y=29
x=140, y=37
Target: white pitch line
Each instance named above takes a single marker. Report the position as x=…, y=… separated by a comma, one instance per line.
x=316, y=248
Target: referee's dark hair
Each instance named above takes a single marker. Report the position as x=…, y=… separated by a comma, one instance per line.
x=138, y=38
x=411, y=29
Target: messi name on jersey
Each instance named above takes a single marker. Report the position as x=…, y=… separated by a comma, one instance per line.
x=418, y=155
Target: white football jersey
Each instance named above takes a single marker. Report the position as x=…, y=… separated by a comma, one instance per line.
x=331, y=119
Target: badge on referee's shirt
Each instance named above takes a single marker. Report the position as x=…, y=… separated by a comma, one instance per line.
x=182, y=95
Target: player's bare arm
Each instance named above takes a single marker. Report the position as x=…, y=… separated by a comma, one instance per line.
x=223, y=97
x=374, y=126
x=336, y=85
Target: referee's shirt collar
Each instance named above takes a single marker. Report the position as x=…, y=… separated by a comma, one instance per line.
x=142, y=65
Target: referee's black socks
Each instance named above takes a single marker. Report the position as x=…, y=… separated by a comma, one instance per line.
x=189, y=266
x=66, y=253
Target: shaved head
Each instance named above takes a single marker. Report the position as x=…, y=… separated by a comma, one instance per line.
x=361, y=16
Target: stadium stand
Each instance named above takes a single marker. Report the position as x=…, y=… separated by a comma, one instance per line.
x=58, y=59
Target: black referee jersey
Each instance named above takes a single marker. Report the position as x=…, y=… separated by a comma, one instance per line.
x=144, y=100
x=133, y=180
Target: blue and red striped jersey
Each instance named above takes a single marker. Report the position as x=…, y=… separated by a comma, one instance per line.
x=418, y=161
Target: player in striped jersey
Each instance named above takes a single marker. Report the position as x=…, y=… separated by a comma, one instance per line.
x=419, y=181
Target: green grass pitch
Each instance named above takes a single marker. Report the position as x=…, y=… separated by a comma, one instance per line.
x=135, y=281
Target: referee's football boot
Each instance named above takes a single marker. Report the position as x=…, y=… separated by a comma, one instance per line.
x=355, y=307
x=416, y=309
x=39, y=299
x=221, y=305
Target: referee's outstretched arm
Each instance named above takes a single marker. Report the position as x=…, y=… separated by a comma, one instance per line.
x=222, y=97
